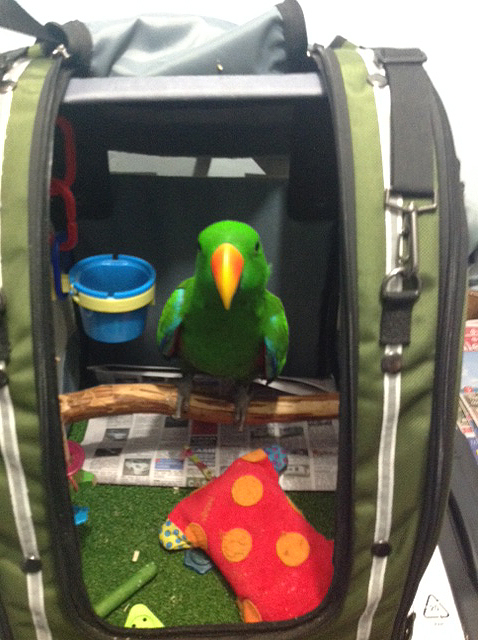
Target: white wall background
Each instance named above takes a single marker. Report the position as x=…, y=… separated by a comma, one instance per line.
x=446, y=32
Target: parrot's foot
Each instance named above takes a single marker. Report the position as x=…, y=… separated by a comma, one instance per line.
x=242, y=400
x=185, y=385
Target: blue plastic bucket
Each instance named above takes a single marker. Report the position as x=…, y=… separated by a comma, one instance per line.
x=113, y=293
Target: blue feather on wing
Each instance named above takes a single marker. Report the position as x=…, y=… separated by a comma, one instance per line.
x=270, y=360
x=169, y=329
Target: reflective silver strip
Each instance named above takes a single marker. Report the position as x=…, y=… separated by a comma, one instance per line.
x=22, y=512
x=391, y=382
x=8, y=435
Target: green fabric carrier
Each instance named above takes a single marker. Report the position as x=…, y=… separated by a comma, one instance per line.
x=376, y=425
x=21, y=463
x=398, y=361
x=29, y=588
x=392, y=231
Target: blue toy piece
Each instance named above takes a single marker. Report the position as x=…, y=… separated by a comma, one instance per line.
x=55, y=261
x=81, y=514
x=198, y=561
x=277, y=456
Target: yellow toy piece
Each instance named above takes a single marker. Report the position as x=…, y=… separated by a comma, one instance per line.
x=140, y=617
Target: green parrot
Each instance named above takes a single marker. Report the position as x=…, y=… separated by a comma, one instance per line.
x=223, y=321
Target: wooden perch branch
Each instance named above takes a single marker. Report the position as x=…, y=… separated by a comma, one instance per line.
x=117, y=399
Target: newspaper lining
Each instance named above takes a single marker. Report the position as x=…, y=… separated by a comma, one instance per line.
x=148, y=449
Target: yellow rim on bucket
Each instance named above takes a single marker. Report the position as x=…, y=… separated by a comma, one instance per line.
x=113, y=305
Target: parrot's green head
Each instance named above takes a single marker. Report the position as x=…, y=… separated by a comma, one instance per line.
x=230, y=259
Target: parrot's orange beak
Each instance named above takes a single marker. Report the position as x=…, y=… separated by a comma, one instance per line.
x=226, y=266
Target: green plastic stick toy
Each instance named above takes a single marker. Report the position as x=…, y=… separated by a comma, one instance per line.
x=125, y=590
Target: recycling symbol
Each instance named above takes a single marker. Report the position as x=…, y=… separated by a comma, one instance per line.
x=434, y=608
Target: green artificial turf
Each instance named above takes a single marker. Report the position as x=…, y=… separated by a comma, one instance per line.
x=124, y=519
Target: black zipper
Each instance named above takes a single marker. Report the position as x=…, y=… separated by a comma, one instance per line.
x=65, y=544
x=5, y=630
x=452, y=255
x=348, y=343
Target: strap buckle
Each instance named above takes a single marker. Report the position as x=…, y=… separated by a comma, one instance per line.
x=407, y=263
x=384, y=56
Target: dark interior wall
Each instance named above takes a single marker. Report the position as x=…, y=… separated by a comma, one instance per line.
x=158, y=218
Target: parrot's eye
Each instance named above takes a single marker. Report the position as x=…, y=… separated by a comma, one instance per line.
x=258, y=246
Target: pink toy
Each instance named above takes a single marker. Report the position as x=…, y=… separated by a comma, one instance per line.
x=76, y=458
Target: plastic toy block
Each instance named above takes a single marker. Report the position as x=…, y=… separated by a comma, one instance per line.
x=140, y=617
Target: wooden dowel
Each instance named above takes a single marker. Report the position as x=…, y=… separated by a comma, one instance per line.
x=118, y=399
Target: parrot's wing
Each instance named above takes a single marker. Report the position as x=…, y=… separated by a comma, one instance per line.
x=171, y=319
x=276, y=337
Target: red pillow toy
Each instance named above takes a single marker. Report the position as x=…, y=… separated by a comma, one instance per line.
x=279, y=566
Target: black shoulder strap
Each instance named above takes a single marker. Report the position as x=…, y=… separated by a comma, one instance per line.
x=412, y=179
x=73, y=35
x=411, y=127
x=15, y=18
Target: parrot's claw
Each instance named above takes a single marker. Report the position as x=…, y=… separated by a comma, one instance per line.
x=243, y=398
x=185, y=385
x=179, y=409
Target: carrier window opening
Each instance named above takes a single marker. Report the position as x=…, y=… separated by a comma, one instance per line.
x=199, y=167
x=131, y=471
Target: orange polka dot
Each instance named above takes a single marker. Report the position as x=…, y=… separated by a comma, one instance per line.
x=255, y=456
x=292, y=548
x=247, y=490
x=248, y=610
x=196, y=535
x=236, y=545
